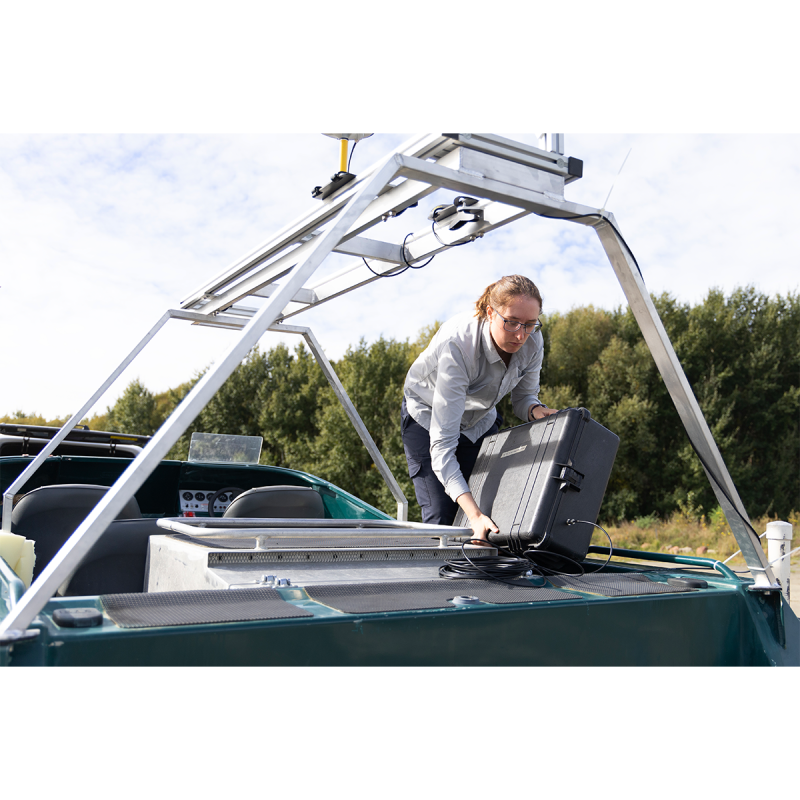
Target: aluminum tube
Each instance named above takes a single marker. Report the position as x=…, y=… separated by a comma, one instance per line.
x=90, y=530
x=353, y=415
x=29, y=471
x=308, y=530
x=420, y=145
x=640, y=555
x=319, y=524
x=685, y=402
x=358, y=424
x=530, y=200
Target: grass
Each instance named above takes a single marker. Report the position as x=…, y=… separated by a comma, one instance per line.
x=707, y=537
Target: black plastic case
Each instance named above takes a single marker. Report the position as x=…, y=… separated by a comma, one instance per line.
x=532, y=478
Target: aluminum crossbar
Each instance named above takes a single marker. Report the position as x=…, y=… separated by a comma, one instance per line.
x=685, y=401
x=90, y=530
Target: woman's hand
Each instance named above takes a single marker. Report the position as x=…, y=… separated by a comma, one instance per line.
x=481, y=527
x=481, y=524
x=540, y=412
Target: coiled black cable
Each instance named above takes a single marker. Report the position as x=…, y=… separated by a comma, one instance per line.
x=497, y=568
x=520, y=563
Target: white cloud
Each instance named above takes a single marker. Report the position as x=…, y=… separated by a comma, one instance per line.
x=99, y=235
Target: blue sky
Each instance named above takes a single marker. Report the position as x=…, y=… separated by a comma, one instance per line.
x=100, y=234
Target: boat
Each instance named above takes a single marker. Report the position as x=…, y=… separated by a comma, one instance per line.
x=220, y=561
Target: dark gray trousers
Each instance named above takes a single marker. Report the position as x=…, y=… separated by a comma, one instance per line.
x=437, y=508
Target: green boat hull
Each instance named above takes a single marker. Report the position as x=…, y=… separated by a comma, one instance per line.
x=729, y=626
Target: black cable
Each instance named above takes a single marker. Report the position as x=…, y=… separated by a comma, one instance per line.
x=710, y=472
x=351, y=154
x=383, y=274
x=403, y=248
x=444, y=244
x=496, y=568
x=605, y=219
x=520, y=564
x=405, y=261
x=541, y=555
x=610, y=543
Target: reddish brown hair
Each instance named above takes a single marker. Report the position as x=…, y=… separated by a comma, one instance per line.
x=502, y=292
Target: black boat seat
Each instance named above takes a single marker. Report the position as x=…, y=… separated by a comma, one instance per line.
x=50, y=514
x=289, y=502
x=117, y=562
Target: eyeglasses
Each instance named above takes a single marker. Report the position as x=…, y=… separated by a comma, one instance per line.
x=513, y=327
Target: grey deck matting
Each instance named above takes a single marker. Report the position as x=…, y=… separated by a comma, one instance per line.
x=417, y=595
x=614, y=585
x=197, y=607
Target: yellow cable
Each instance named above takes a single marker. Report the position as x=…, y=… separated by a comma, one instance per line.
x=343, y=161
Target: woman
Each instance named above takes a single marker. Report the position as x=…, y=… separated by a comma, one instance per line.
x=452, y=389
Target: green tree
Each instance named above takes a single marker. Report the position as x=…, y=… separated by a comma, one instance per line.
x=373, y=378
x=742, y=357
x=574, y=343
x=135, y=411
x=289, y=404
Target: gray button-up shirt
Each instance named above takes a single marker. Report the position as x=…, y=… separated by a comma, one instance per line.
x=455, y=384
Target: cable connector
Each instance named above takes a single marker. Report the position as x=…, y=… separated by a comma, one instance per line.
x=570, y=521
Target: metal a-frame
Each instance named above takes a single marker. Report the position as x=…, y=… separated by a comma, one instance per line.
x=510, y=180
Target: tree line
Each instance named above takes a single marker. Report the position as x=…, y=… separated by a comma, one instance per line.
x=741, y=355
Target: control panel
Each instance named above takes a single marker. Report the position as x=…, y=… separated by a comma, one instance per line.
x=194, y=502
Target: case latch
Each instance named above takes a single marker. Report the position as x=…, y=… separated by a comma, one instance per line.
x=569, y=477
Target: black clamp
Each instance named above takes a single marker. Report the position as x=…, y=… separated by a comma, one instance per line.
x=337, y=181
x=569, y=477
x=461, y=207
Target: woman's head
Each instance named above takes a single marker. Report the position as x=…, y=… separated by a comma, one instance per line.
x=501, y=293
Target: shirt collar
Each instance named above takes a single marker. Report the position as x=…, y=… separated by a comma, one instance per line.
x=489, y=350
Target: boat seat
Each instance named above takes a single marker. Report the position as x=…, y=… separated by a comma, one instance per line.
x=117, y=562
x=50, y=514
x=288, y=502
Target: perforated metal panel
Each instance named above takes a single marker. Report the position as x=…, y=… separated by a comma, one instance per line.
x=418, y=595
x=614, y=585
x=197, y=607
x=332, y=556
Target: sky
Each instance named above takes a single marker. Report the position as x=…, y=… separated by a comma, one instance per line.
x=102, y=233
